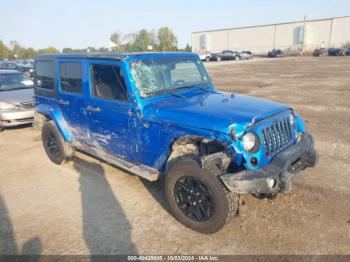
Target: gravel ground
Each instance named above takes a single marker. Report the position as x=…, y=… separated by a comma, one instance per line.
x=88, y=207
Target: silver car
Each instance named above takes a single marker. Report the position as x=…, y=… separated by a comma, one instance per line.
x=16, y=99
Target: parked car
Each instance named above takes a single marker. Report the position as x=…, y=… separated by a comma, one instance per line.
x=347, y=52
x=26, y=63
x=157, y=115
x=275, y=53
x=16, y=99
x=320, y=52
x=205, y=56
x=246, y=55
x=226, y=55
x=27, y=70
x=336, y=52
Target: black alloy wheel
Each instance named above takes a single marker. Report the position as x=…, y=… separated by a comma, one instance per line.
x=51, y=145
x=194, y=198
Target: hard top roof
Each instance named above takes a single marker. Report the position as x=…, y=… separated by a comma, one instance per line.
x=109, y=55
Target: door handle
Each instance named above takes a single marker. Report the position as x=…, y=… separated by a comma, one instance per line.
x=63, y=102
x=94, y=109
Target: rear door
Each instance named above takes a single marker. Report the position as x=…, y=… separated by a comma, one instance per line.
x=72, y=87
x=108, y=109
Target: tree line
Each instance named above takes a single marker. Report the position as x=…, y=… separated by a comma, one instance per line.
x=162, y=39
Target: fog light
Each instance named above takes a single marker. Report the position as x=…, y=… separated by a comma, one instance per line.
x=300, y=136
x=271, y=182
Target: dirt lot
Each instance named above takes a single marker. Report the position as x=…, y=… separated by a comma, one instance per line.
x=88, y=207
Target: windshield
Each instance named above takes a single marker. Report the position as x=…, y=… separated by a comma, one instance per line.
x=156, y=76
x=14, y=81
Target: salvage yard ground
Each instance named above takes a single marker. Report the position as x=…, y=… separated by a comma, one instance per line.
x=88, y=207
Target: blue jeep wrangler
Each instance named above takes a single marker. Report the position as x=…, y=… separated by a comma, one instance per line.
x=157, y=115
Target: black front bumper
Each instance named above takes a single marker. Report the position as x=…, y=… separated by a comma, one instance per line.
x=278, y=175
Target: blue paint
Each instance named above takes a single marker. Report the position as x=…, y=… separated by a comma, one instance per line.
x=142, y=130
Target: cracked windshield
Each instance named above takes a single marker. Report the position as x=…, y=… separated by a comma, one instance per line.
x=154, y=77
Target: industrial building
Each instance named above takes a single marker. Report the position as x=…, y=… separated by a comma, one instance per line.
x=290, y=37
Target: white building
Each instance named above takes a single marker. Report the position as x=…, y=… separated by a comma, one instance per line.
x=290, y=37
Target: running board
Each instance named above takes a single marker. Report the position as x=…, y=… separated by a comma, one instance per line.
x=144, y=171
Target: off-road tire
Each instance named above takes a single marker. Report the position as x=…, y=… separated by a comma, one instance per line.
x=226, y=203
x=2, y=129
x=63, y=151
x=207, y=59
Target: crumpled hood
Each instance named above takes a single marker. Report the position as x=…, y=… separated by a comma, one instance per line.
x=212, y=111
x=17, y=96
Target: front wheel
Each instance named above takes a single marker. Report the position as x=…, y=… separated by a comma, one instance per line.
x=197, y=198
x=58, y=150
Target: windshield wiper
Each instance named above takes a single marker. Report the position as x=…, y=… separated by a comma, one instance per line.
x=173, y=92
x=167, y=91
x=195, y=85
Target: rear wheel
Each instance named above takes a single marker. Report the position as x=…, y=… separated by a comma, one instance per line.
x=56, y=148
x=197, y=198
x=2, y=129
x=218, y=59
x=207, y=59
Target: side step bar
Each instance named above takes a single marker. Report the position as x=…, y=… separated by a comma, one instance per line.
x=144, y=171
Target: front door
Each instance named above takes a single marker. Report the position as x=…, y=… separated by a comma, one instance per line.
x=108, y=109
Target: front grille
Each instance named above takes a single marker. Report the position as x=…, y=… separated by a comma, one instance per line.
x=29, y=119
x=27, y=105
x=277, y=137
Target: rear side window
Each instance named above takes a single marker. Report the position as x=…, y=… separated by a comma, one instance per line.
x=45, y=75
x=71, y=77
x=108, y=82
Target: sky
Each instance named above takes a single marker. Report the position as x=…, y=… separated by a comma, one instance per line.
x=83, y=23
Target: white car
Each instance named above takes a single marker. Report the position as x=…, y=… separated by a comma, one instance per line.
x=205, y=57
x=246, y=55
x=16, y=99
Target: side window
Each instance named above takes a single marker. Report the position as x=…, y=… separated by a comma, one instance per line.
x=71, y=77
x=11, y=66
x=108, y=82
x=45, y=75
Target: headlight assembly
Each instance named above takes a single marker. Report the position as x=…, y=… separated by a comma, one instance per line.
x=292, y=119
x=6, y=106
x=251, y=142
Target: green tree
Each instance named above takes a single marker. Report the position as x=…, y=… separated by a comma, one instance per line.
x=67, y=50
x=346, y=45
x=167, y=39
x=188, y=48
x=17, y=50
x=103, y=49
x=144, y=39
x=48, y=50
x=116, y=40
x=4, y=51
x=29, y=53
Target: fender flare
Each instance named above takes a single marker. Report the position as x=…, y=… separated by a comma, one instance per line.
x=55, y=115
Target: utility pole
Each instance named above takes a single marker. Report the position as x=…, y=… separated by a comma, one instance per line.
x=274, y=37
x=331, y=33
x=304, y=34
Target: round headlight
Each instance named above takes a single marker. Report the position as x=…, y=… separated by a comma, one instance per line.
x=249, y=141
x=291, y=119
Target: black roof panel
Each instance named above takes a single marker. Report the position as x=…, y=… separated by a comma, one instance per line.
x=109, y=55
